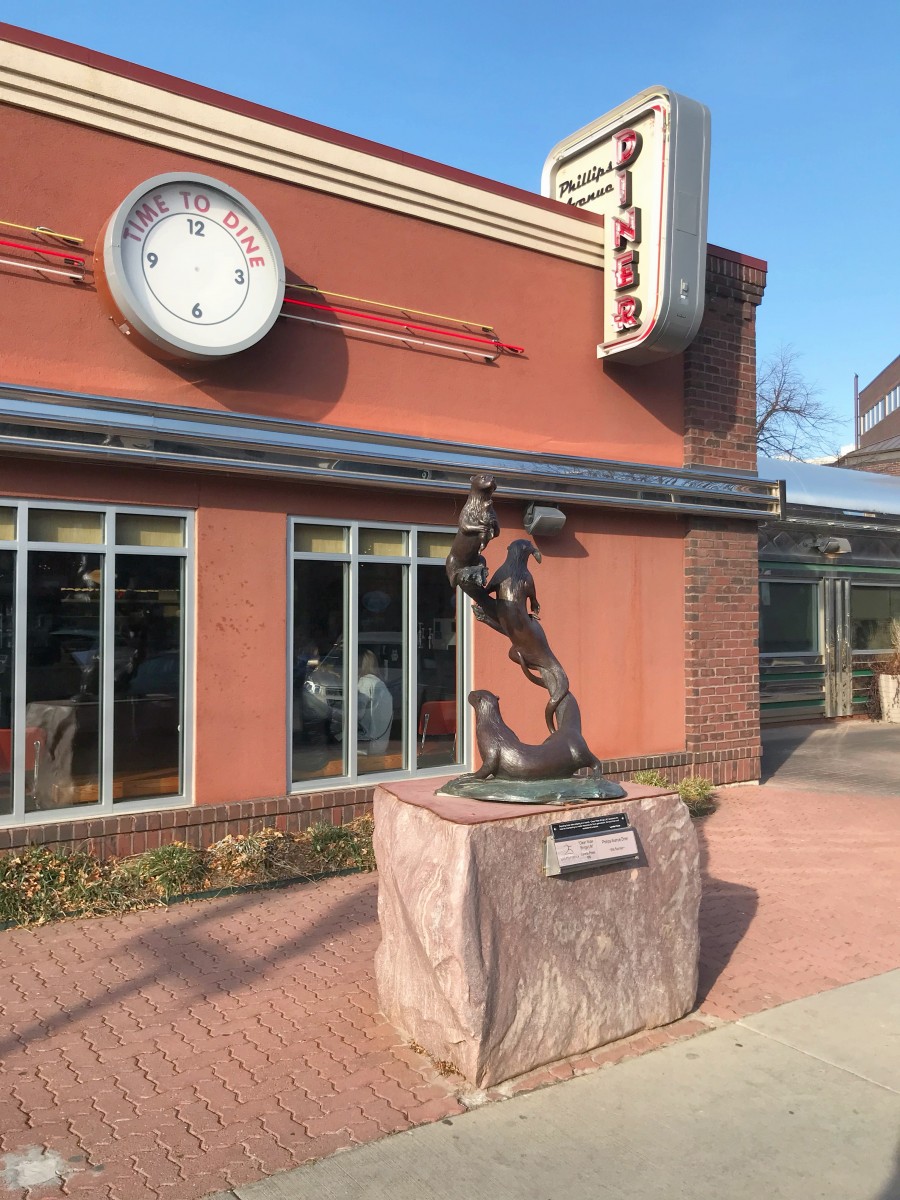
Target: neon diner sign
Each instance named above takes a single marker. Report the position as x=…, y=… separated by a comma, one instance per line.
x=644, y=167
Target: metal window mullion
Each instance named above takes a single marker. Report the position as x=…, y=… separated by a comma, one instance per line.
x=108, y=675
x=289, y=677
x=464, y=642
x=20, y=628
x=351, y=644
x=409, y=620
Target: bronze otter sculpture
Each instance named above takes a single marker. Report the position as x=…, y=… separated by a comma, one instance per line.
x=513, y=584
x=466, y=567
x=503, y=756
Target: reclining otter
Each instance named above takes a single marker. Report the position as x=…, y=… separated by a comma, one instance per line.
x=503, y=756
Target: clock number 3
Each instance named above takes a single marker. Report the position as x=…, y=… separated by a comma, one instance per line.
x=239, y=276
x=195, y=227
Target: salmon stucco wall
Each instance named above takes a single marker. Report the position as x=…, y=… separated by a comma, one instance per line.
x=610, y=587
x=554, y=398
x=611, y=594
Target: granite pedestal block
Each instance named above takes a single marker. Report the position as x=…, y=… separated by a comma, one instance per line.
x=492, y=966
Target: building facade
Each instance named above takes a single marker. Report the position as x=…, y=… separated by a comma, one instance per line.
x=878, y=421
x=829, y=571
x=222, y=595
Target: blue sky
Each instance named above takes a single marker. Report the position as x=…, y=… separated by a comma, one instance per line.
x=806, y=140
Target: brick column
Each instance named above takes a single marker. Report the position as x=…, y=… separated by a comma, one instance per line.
x=721, y=605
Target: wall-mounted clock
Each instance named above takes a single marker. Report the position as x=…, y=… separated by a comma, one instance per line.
x=190, y=268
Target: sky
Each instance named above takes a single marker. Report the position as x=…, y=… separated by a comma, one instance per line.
x=805, y=132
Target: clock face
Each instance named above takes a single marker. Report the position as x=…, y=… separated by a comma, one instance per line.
x=193, y=267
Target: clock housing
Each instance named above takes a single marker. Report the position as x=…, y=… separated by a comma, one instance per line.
x=191, y=268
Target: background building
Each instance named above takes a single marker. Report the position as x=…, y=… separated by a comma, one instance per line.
x=879, y=425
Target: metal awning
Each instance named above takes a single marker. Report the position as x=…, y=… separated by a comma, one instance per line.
x=37, y=422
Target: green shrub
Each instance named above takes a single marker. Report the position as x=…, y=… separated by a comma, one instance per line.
x=341, y=846
x=650, y=779
x=697, y=794
x=251, y=857
x=172, y=869
x=40, y=884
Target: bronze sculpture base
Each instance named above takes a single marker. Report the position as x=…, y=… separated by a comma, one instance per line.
x=572, y=790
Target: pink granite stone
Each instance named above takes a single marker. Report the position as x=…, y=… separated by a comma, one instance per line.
x=491, y=966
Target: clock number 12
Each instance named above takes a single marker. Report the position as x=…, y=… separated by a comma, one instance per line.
x=195, y=227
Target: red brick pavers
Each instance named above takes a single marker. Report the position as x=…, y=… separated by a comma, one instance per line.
x=177, y=1052
x=171, y=1054
x=801, y=894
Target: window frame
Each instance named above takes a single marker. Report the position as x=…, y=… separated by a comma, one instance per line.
x=352, y=558
x=818, y=615
x=107, y=548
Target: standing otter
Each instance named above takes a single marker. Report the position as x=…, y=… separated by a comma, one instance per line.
x=503, y=756
x=466, y=567
x=513, y=584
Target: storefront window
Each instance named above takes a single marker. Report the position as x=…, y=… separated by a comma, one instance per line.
x=365, y=610
x=63, y=678
x=95, y=638
x=149, y=650
x=7, y=578
x=872, y=611
x=319, y=671
x=788, y=618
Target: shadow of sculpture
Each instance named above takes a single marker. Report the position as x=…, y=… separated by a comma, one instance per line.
x=727, y=911
x=508, y=604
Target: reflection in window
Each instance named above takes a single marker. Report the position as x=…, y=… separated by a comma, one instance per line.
x=437, y=675
x=381, y=668
x=872, y=609
x=400, y=654
x=7, y=573
x=149, y=654
x=63, y=678
x=788, y=618
x=99, y=646
x=318, y=668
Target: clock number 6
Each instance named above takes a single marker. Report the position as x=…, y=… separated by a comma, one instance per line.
x=197, y=311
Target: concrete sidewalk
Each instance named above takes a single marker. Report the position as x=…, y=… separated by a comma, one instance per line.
x=799, y=1103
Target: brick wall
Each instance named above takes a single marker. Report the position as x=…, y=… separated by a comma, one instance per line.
x=879, y=466
x=132, y=833
x=721, y=606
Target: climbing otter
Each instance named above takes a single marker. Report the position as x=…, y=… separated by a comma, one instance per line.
x=513, y=584
x=466, y=567
x=503, y=756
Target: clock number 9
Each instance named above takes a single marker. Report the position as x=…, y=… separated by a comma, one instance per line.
x=152, y=259
x=197, y=312
x=239, y=276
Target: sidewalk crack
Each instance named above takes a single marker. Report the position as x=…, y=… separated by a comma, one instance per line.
x=819, y=1058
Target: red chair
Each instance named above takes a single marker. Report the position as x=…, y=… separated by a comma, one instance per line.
x=438, y=718
x=34, y=740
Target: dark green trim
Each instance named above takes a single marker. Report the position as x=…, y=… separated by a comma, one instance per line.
x=822, y=569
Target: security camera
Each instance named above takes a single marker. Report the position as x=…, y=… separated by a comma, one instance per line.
x=831, y=547
x=543, y=520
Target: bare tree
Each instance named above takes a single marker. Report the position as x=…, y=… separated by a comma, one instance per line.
x=791, y=420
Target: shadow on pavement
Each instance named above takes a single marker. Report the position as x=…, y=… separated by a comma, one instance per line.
x=779, y=743
x=726, y=913
x=203, y=962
